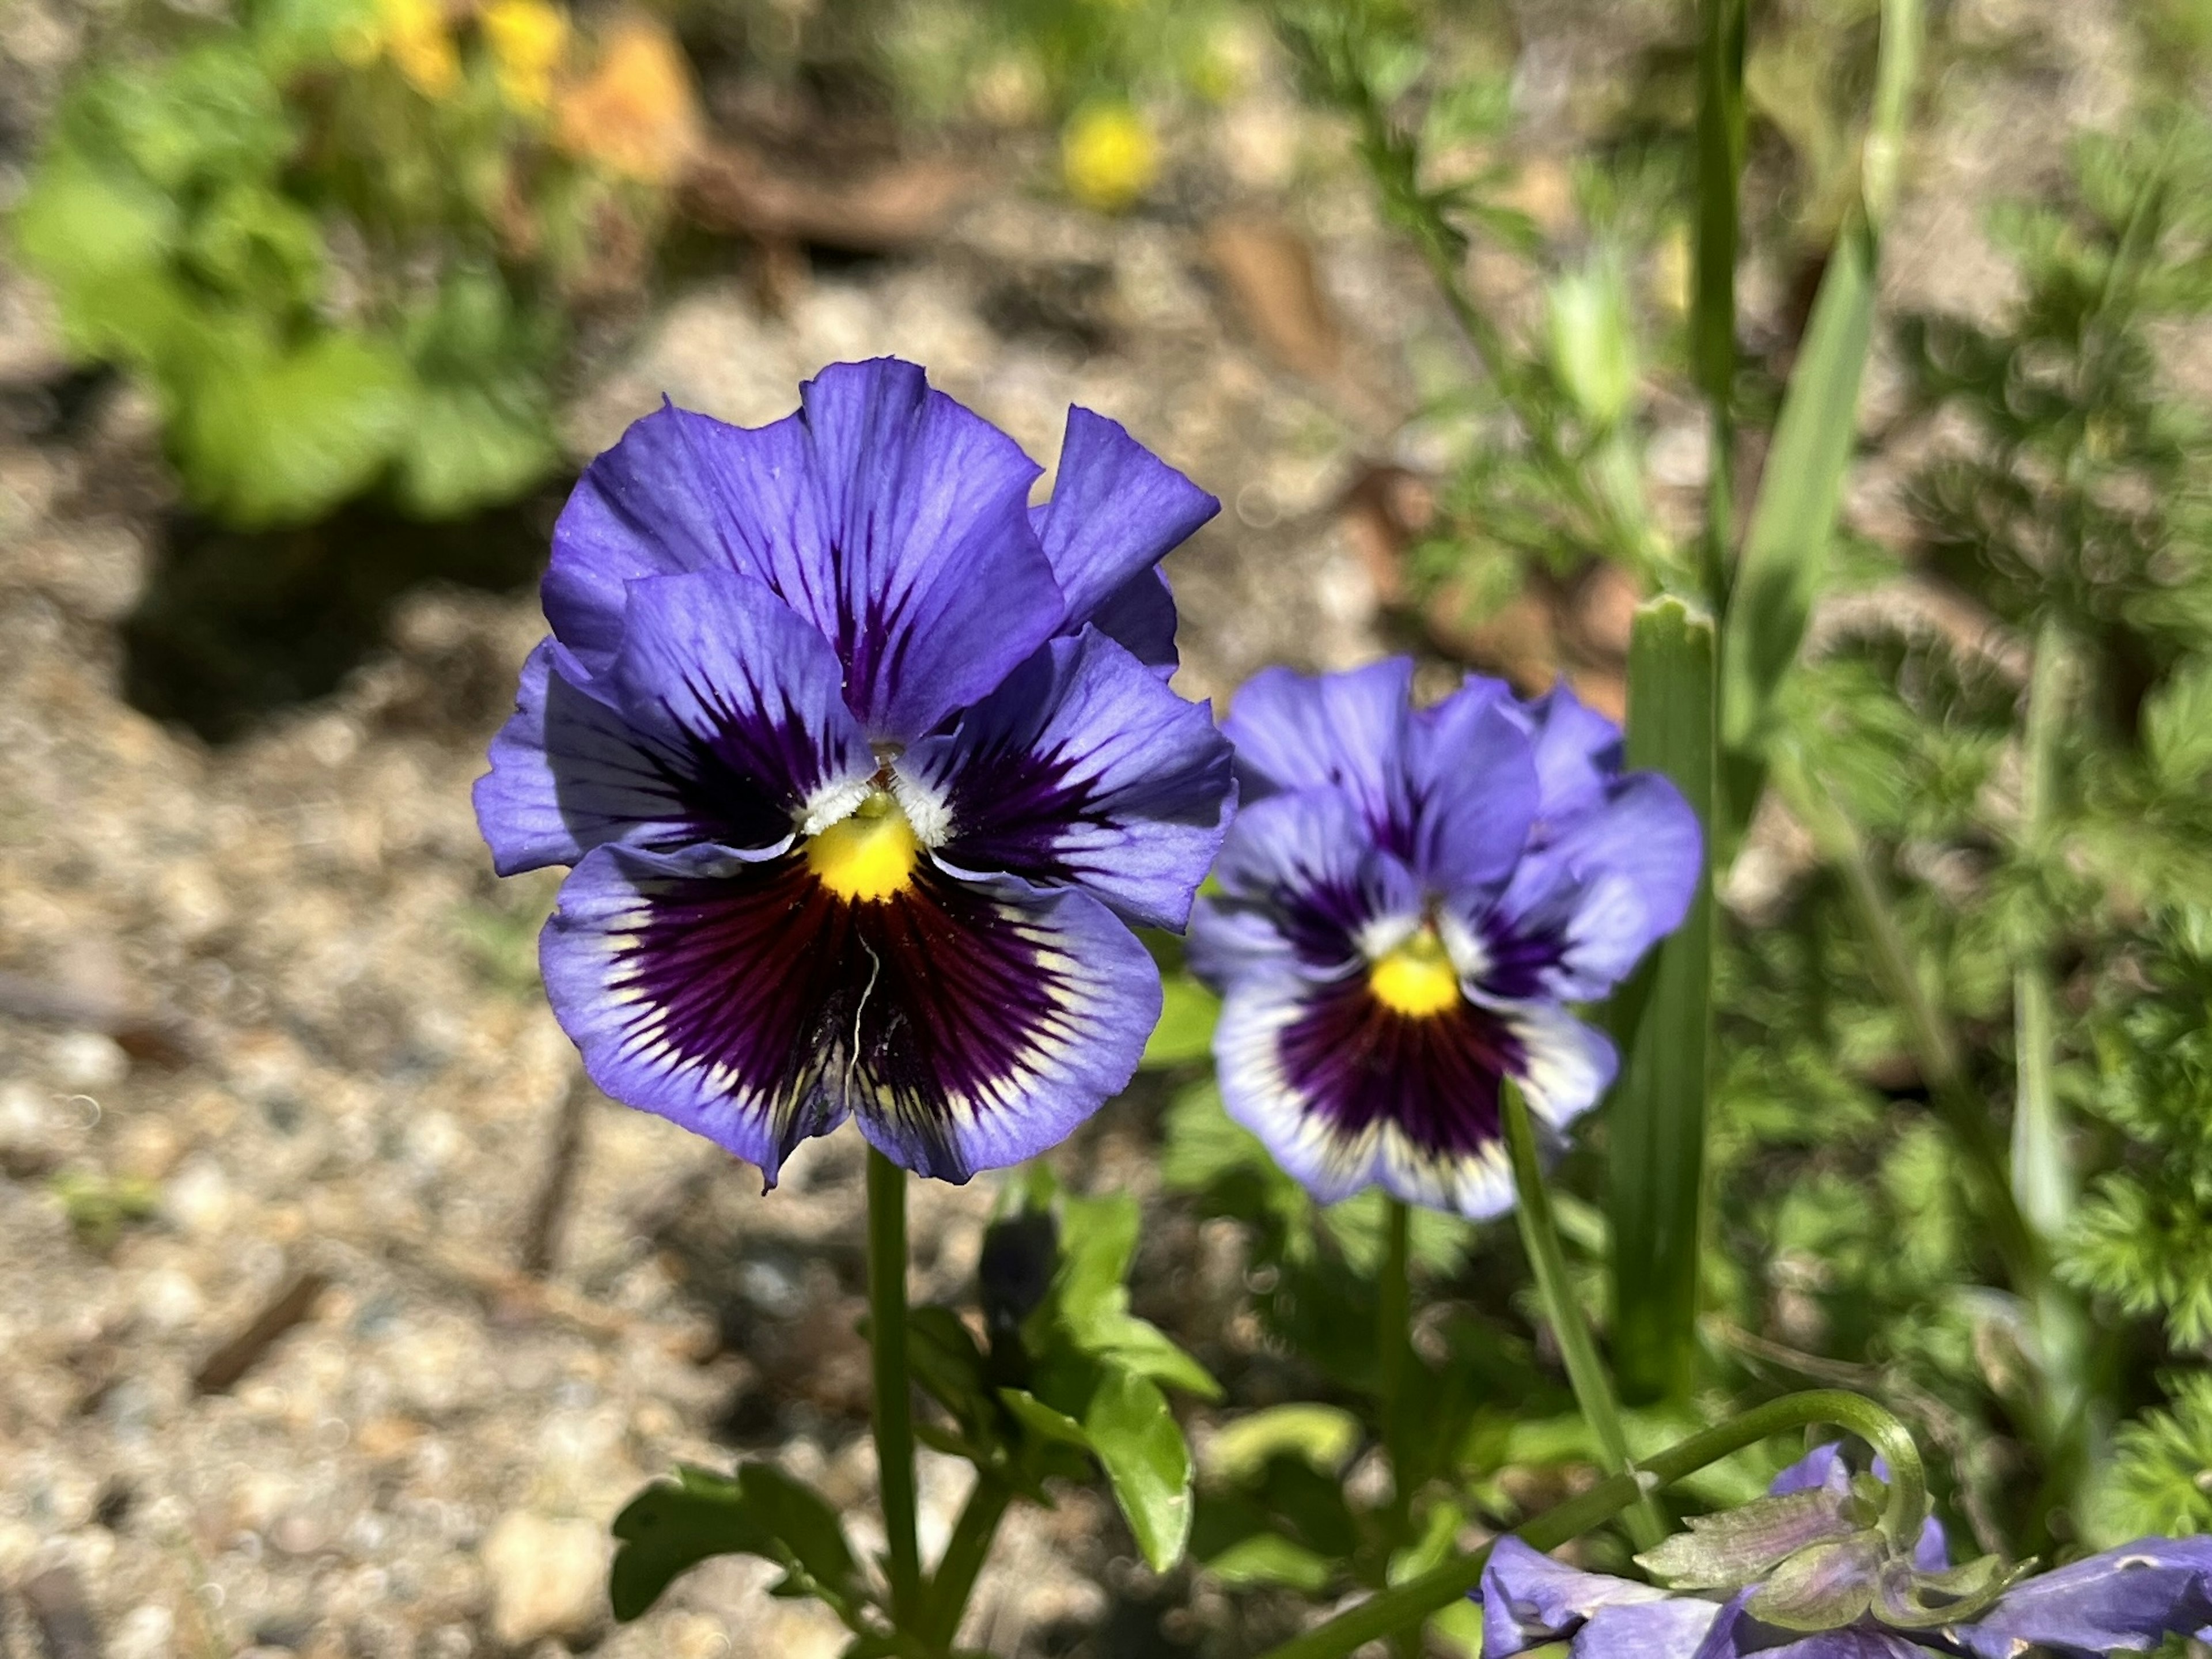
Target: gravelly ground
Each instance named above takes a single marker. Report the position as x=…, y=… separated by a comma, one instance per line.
x=333, y=1060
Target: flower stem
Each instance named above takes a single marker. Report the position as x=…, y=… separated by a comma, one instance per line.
x=894, y=1406
x=1593, y=1386
x=964, y=1555
x=1417, y=1599
x=1393, y=1313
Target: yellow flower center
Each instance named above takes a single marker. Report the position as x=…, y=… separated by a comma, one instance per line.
x=868, y=857
x=1417, y=979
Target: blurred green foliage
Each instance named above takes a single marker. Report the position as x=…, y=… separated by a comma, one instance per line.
x=342, y=240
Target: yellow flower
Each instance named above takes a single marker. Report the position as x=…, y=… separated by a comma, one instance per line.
x=421, y=49
x=1108, y=156
x=635, y=115
x=527, y=38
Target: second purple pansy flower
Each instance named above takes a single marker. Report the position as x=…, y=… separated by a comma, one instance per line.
x=1409, y=900
x=865, y=768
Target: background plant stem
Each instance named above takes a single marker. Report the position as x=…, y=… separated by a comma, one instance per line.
x=1586, y=1371
x=965, y=1552
x=894, y=1406
x=1394, y=1311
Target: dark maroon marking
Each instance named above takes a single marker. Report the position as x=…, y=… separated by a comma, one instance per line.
x=923, y=996
x=1360, y=1062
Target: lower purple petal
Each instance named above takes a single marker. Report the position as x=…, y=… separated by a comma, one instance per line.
x=965, y=1030
x=1347, y=1093
x=2128, y=1598
x=1528, y=1599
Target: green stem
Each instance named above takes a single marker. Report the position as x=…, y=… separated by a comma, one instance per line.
x=1593, y=1385
x=964, y=1555
x=2042, y=1184
x=894, y=1403
x=1393, y=1312
x=1433, y=1592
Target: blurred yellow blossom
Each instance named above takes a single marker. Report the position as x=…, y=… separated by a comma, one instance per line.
x=527, y=38
x=1108, y=156
x=415, y=38
x=635, y=114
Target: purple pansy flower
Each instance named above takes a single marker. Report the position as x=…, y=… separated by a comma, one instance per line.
x=865, y=768
x=2124, y=1600
x=1409, y=900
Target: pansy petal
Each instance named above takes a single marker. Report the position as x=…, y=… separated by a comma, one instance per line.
x=678, y=491
x=1082, y=769
x=967, y=1030
x=1141, y=616
x=1346, y=1092
x=1528, y=1599
x=1658, y=1630
x=2124, y=1599
x=1469, y=789
x=1563, y=1066
x=568, y=773
x=883, y=513
x=1299, y=883
x=1577, y=752
x=1821, y=1468
x=1580, y=913
x=695, y=990
x=715, y=669
x=1116, y=510
x=932, y=584
x=994, y=1025
x=1341, y=731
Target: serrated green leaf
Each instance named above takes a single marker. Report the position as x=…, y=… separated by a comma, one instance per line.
x=1140, y=1446
x=266, y=438
x=2176, y=726
x=472, y=446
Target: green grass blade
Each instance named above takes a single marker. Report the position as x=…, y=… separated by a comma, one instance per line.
x=1656, y=1125
x=1713, y=316
x=1785, y=553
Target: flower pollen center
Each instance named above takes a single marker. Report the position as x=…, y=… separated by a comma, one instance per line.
x=868, y=857
x=1417, y=979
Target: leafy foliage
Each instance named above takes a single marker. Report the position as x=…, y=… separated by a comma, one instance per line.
x=341, y=244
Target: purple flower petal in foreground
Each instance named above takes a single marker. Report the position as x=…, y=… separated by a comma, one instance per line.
x=864, y=770
x=1409, y=902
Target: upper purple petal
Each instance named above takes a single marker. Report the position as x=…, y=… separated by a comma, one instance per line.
x=1469, y=789
x=883, y=513
x=2128, y=1598
x=1339, y=732
x=1578, y=751
x=714, y=667
x=1141, y=616
x=1116, y=510
x=1084, y=769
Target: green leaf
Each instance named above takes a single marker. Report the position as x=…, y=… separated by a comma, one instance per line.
x=1720, y=138
x=2176, y=726
x=1324, y=1436
x=1140, y=1446
x=1265, y=1558
x=1185, y=1031
x=1089, y=1304
x=1785, y=552
x=1593, y=339
x=266, y=438
x=673, y=1525
x=473, y=446
x=1043, y=1419
x=1656, y=1124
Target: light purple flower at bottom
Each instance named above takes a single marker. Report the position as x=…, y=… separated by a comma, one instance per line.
x=2123, y=1600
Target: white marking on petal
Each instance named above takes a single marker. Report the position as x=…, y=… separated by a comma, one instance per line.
x=1466, y=948
x=832, y=804
x=924, y=808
